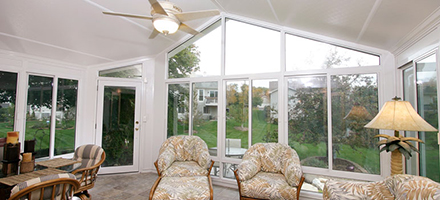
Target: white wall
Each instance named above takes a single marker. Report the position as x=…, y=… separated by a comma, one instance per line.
x=148, y=117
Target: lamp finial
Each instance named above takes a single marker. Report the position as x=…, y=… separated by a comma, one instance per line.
x=396, y=98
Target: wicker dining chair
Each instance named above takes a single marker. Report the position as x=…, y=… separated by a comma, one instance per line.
x=91, y=157
x=55, y=186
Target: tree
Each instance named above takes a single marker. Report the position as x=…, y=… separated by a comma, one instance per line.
x=184, y=63
x=237, y=102
x=179, y=66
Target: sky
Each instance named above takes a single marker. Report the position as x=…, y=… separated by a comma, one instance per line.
x=253, y=49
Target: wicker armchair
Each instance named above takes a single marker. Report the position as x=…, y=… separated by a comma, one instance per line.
x=269, y=171
x=55, y=186
x=91, y=157
x=184, y=167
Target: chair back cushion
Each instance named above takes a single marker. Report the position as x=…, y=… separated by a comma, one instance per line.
x=183, y=148
x=88, y=154
x=271, y=157
x=48, y=191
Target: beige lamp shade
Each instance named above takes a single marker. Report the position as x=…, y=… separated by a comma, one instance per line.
x=400, y=116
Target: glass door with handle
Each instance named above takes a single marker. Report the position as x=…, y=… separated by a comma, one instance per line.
x=118, y=125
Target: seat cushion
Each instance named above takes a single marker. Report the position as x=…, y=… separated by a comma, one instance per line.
x=185, y=168
x=346, y=190
x=267, y=185
x=194, y=188
x=410, y=187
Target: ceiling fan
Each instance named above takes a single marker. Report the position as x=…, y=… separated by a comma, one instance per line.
x=167, y=17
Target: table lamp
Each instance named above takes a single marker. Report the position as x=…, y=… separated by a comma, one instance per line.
x=398, y=116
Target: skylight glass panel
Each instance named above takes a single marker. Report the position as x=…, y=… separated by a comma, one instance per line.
x=306, y=54
x=251, y=49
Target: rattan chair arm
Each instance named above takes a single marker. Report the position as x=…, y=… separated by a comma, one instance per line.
x=70, y=181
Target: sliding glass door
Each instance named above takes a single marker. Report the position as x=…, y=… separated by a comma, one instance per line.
x=420, y=88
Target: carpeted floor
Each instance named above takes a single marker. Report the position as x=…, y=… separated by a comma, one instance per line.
x=137, y=186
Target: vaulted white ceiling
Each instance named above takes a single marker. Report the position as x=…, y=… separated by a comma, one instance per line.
x=77, y=32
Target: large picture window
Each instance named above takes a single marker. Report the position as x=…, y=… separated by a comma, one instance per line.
x=178, y=109
x=354, y=103
x=67, y=96
x=307, y=117
x=205, y=115
x=248, y=99
x=39, y=113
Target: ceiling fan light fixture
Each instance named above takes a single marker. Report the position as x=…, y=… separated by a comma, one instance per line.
x=166, y=25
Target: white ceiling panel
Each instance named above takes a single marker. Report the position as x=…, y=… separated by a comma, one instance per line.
x=256, y=9
x=342, y=19
x=78, y=32
x=50, y=52
x=394, y=19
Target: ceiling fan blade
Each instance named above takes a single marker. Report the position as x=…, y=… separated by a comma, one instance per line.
x=186, y=28
x=187, y=16
x=153, y=34
x=127, y=15
x=157, y=7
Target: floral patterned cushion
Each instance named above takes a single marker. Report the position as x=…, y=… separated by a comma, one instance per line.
x=271, y=157
x=250, y=164
x=183, y=148
x=192, y=187
x=409, y=187
x=185, y=168
x=346, y=190
x=268, y=185
x=401, y=187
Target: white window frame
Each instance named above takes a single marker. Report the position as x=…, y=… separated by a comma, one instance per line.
x=281, y=76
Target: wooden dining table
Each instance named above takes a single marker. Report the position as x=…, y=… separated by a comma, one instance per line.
x=49, y=167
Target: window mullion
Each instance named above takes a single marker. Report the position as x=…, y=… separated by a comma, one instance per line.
x=190, y=108
x=53, y=120
x=329, y=124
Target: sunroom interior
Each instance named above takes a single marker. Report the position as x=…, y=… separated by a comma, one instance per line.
x=71, y=75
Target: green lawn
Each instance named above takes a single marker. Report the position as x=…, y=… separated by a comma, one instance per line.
x=64, y=136
x=367, y=158
x=208, y=130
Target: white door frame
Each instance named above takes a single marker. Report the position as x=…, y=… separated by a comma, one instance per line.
x=138, y=87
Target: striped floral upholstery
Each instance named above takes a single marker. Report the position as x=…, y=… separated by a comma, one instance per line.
x=191, y=187
x=271, y=157
x=268, y=185
x=345, y=190
x=48, y=191
x=185, y=168
x=183, y=148
x=270, y=171
x=88, y=154
x=401, y=187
